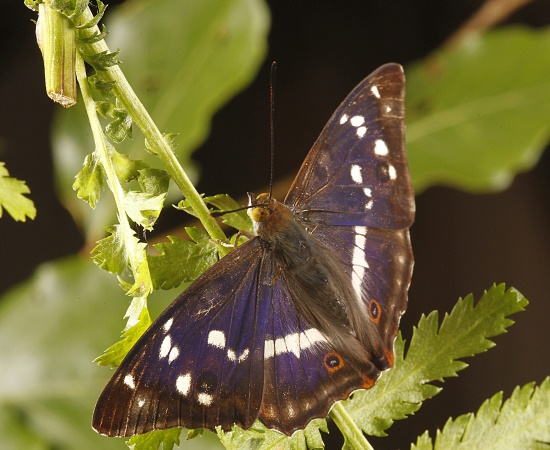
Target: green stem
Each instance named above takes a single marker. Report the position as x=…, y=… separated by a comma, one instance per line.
x=353, y=434
x=134, y=250
x=157, y=142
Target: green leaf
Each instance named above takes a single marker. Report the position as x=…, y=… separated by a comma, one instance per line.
x=154, y=439
x=96, y=37
x=126, y=169
x=471, y=126
x=434, y=354
x=101, y=7
x=259, y=437
x=180, y=260
x=120, y=128
x=103, y=60
x=109, y=252
x=205, y=51
x=143, y=208
x=90, y=180
x=114, y=355
x=238, y=220
x=12, y=199
x=154, y=181
x=522, y=422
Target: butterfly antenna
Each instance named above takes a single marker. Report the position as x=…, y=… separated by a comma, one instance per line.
x=272, y=122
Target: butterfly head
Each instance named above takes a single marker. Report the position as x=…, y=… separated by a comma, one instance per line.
x=259, y=210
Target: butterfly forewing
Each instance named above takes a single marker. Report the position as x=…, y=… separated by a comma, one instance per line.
x=357, y=173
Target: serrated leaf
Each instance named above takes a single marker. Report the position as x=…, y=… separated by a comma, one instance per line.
x=259, y=437
x=114, y=355
x=103, y=60
x=154, y=439
x=105, y=88
x=101, y=7
x=126, y=168
x=89, y=182
x=143, y=208
x=95, y=37
x=121, y=127
x=12, y=199
x=522, y=422
x=109, y=253
x=154, y=181
x=238, y=220
x=180, y=260
x=434, y=354
x=472, y=126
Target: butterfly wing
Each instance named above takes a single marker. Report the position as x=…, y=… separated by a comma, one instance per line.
x=353, y=193
x=357, y=172
x=197, y=364
x=304, y=373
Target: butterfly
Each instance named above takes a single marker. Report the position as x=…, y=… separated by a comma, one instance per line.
x=302, y=314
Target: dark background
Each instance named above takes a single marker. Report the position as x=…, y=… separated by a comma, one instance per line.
x=462, y=242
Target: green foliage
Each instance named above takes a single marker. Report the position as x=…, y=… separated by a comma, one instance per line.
x=182, y=261
x=90, y=181
x=479, y=113
x=12, y=199
x=434, y=353
x=114, y=355
x=522, y=422
x=153, y=440
x=258, y=437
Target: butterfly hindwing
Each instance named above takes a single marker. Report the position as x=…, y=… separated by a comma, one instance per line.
x=304, y=373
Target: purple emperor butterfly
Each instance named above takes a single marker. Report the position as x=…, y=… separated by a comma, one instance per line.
x=304, y=313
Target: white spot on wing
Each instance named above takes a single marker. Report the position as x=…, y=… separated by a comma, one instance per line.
x=357, y=121
x=359, y=262
x=205, y=399
x=269, y=348
x=375, y=91
x=356, y=175
x=216, y=338
x=344, y=119
x=370, y=202
x=141, y=402
x=293, y=343
x=129, y=381
x=361, y=131
x=174, y=353
x=392, y=172
x=380, y=148
x=165, y=346
x=231, y=355
x=244, y=355
x=183, y=384
x=168, y=324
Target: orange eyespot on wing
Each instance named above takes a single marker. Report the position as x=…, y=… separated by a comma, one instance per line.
x=333, y=362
